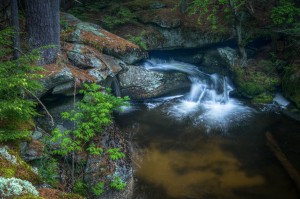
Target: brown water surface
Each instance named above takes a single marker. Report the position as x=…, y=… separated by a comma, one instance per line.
x=182, y=160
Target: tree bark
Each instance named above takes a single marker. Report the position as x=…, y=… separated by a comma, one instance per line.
x=238, y=32
x=42, y=21
x=16, y=28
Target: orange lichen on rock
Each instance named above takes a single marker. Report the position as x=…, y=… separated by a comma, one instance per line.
x=57, y=194
x=109, y=43
x=50, y=70
x=81, y=75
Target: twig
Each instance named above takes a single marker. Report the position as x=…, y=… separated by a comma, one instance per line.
x=44, y=107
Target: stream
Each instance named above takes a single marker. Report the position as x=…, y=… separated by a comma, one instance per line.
x=205, y=144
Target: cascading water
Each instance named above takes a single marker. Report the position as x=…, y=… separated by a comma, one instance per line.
x=208, y=101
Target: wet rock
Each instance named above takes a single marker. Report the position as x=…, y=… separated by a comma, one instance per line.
x=229, y=55
x=139, y=83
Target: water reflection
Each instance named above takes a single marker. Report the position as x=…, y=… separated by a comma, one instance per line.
x=210, y=171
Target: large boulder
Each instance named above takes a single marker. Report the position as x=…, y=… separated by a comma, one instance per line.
x=54, y=76
x=106, y=42
x=168, y=28
x=95, y=63
x=139, y=83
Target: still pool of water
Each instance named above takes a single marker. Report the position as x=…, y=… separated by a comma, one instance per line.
x=210, y=151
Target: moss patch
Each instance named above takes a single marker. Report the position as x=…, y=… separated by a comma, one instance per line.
x=57, y=194
x=18, y=168
x=291, y=83
x=257, y=80
x=263, y=98
x=28, y=196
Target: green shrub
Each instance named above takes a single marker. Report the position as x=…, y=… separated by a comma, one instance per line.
x=48, y=170
x=98, y=189
x=91, y=115
x=285, y=13
x=115, y=154
x=18, y=80
x=80, y=187
x=117, y=183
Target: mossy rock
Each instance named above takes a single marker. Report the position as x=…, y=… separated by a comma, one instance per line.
x=257, y=81
x=291, y=83
x=263, y=98
x=28, y=196
x=16, y=167
x=47, y=193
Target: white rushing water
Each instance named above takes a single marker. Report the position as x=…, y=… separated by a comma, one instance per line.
x=207, y=104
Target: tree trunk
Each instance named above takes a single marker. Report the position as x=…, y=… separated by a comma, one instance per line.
x=16, y=28
x=242, y=51
x=238, y=32
x=42, y=20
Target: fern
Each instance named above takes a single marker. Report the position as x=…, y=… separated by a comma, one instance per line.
x=18, y=79
x=91, y=115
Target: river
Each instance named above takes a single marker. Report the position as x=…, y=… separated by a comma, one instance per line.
x=206, y=145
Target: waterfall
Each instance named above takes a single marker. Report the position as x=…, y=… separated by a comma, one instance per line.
x=205, y=87
x=207, y=104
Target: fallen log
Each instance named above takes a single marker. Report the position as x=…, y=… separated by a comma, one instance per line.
x=281, y=157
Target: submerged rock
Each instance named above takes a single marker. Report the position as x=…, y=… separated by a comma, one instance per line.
x=139, y=83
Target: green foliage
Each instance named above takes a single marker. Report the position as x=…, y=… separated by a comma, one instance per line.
x=117, y=183
x=80, y=187
x=92, y=113
x=119, y=16
x=138, y=40
x=209, y=11
x=285, y=13
x=92, y=149
x=18, y=80
x=115, y=154
x=98, y=189
x=48, y=170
